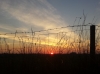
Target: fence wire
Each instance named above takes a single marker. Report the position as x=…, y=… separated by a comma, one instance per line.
x=62, y=40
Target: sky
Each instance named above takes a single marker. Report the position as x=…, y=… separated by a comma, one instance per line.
x=44, y=14
x=24, y=15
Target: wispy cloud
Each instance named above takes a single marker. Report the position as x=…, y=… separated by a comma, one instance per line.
x=38, y=12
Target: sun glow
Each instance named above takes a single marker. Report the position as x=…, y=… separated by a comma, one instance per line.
x=52, y=53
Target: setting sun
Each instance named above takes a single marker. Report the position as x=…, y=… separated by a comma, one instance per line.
x=52, y=53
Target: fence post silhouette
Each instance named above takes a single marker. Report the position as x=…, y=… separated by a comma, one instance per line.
x=92, y=45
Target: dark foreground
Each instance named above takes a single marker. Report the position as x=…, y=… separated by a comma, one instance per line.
x=48, y=64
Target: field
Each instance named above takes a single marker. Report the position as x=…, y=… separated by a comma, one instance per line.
x=39, y=63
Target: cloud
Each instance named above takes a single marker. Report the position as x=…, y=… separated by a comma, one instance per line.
x=38, y=12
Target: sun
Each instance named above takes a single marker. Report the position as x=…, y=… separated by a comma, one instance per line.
x=52, y=53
